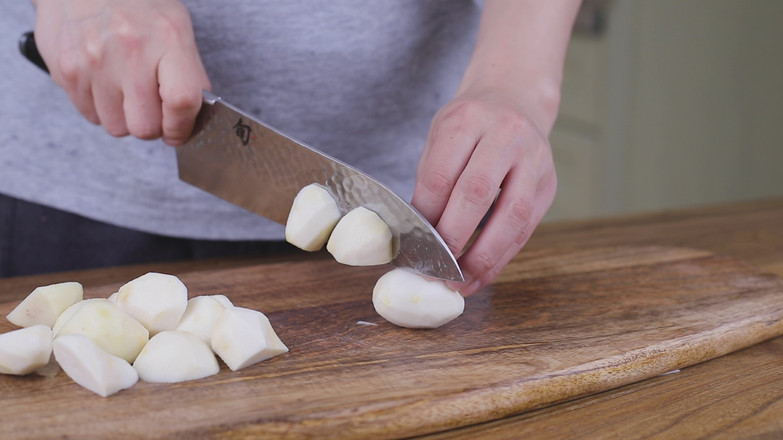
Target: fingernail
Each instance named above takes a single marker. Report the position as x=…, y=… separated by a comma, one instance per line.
x=455, y=285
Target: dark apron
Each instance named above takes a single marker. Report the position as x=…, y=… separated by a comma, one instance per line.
x=36, y=239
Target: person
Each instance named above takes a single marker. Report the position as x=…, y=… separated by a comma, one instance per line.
x=465, y=93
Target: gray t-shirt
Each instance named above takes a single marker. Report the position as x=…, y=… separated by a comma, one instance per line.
x=357, y=79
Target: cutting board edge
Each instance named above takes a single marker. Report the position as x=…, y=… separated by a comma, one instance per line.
x=532, y=393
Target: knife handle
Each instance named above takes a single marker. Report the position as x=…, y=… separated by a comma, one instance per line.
x=30, y=50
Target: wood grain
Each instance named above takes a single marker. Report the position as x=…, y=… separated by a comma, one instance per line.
x=558, y=324
x=737, y=396
x=732, y=397
x=749, y=231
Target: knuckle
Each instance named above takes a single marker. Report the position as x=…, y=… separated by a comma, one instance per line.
x=522, y=237
x=483, y=266
x=514, y=126
x=515, y=120
x=88, y=111
x=93, y=55
x=179, y=100
x=468, y=109
x=519, y=213
x=68, y=66
x=114, y=126
x=175, y=133
x=478, y=190
x=519, y=217
x=126, y=33
x=116, y=131
x=454, y=119
x=145, y=130
x=132, y=44
x=438, y=183
x=458, y=110
x=465, y=112
x=91, y=117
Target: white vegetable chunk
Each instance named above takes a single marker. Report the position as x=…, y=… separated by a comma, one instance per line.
x=175, y=356
x=92, y=367
x=25, y=350
x=222, y=299
x=107, y=325
x=312, y=217
x=361, y=238
x=243, y=337
x=156, y=300
x=410, y=300
x=44, y=304
x=67, y=314
x=201, y=315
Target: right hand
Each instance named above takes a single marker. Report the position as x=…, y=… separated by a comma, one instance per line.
x=131, y=66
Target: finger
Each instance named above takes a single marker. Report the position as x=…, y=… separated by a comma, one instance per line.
x=476, y=189
x=82, y=99
x=450, y=143
x=66, y=72
x=142, y=107
x=522, y=204
x=108, y=100
x=182, y=78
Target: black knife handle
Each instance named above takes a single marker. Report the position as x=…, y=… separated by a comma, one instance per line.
x=30, y=50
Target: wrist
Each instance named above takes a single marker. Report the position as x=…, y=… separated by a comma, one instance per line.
x=538, y=98
x=519, y=55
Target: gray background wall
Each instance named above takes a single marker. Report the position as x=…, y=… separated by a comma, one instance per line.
x=673, y=104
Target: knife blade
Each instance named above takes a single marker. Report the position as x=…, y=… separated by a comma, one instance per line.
x=240, y=159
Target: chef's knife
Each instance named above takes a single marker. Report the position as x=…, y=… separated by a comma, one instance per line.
x=240, y=159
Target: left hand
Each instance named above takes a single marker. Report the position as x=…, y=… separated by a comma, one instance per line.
x=482, y=146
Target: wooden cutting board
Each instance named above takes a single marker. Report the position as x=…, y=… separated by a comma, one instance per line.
x=558, y=324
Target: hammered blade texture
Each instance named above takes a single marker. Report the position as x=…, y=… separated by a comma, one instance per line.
x=248, y=163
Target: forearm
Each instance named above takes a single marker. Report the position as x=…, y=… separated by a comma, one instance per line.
x=520, y=53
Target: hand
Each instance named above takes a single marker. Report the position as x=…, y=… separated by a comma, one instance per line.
x=491, y=140
x=482, y=145
x=131, y=66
